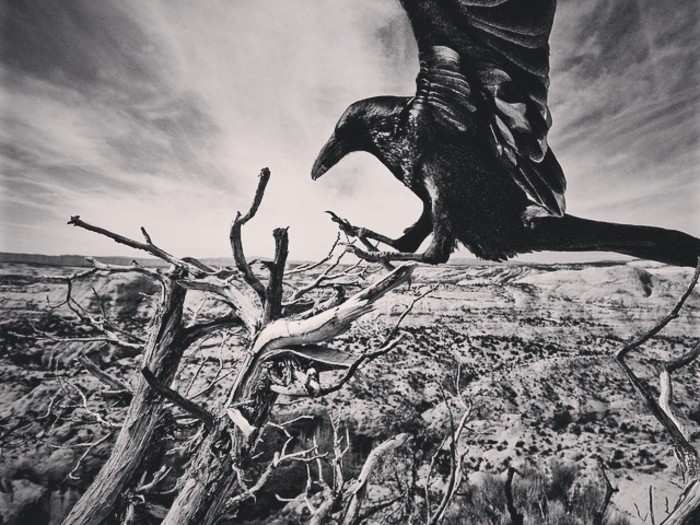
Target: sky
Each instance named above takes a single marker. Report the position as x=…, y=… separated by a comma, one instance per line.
x=160, y=113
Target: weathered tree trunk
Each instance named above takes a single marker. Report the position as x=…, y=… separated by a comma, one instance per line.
x=209, y=482
x=210, y=479
x=162, y=355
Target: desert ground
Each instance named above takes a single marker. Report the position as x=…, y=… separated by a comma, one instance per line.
x=533, y=343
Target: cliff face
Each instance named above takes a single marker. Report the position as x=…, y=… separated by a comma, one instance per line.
x=533, y=343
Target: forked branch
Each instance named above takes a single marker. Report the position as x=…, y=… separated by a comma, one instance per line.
x=236, y=239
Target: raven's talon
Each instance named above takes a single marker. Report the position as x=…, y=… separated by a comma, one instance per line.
x=347, y=227
x=343, y=224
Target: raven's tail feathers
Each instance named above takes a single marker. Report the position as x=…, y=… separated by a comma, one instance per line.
x=569, y=233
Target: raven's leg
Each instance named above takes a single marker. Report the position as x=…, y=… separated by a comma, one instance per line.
x=414, y=235
x=410, y=241
x=439, y=250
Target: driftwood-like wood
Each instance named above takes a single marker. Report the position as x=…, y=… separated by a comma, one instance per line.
x=211, y=479
x=687, y=508
x=341, y=499
x=162, y=355
x=358, y=490
x=284, y=356
x=169, y=338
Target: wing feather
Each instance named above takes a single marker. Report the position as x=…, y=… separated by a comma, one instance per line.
x=500, y=69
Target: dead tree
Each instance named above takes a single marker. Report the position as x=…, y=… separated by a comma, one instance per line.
x=687, y=508
x=169, y=338
x=285, y=354
x=456, y=473
x=332, y=498
x=284, y=357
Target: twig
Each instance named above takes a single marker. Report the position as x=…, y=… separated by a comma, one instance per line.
x=599, y=515
x=456, y=463
x=96, y=415
x=407, y=310
x=148, y=247
x=312, y=266
x=673, y=314
x=159, y=476
x=89, y=448
x=105, y=377
x=390, y=341
x=320, y=279
x=661, y=409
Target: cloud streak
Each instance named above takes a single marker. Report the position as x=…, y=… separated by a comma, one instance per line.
x=161, y=113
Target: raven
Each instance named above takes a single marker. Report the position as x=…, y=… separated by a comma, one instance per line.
x=472, y=143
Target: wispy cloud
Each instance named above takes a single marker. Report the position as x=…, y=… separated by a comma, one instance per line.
x=160, y=113
x=626, y=104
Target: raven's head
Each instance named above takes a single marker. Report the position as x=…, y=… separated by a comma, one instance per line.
x=366, y=125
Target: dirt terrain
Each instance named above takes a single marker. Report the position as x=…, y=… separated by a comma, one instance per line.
x=533, y=344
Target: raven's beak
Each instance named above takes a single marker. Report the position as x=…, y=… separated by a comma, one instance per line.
x=332, y=152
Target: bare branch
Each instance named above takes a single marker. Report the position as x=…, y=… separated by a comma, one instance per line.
x=673, y=314
x=246, y=308
x=456, y=468
x=201, y=330
x=284, y=333
x=188, y=406
x=688, y=505
x=159, y=476
x=355, y=366
x=308, y=267
x=279, y=458
x=237, y=242
x=85, y=454
x=661, y=409
x=322, y=277
x=599, y=516
x=146, y=236
x=389, y=343
x=407, y=311
x=358, y=492
x=108, y=379
x=91, y=412
x=148, y=247
x=353, y=231
x=329, y=303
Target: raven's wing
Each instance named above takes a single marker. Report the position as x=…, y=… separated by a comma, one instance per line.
x=487, y=62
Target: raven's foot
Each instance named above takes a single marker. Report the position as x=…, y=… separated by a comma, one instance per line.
x=430, y=256
x=358, y=232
